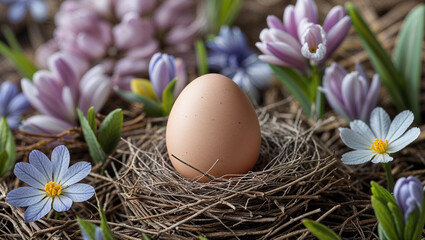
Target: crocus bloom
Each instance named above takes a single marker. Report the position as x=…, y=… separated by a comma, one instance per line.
x=231, y=56
x=299, y=38
x=381, y=139
x=162, y=71
x=408, y=193
x=163, y=68
x=58, y=92
x=350, y=94
x=19, y=8
x=51, y=184
x=12, y=104
x=107, y=32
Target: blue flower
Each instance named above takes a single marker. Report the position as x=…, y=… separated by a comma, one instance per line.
x=98, y=234
x=231, y=56
x=19, y=8
x=52, y=184
x=12, y=104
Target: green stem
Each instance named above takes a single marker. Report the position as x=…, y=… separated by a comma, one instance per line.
x=317, y=96
x=390, y=179
x=57, y=215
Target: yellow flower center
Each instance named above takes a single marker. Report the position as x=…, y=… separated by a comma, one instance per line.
x=313, y=49
x=53, y=189
x=379, y=146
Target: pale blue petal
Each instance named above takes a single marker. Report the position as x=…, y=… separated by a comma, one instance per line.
x=42, y=163
x=76, y=173
x=357, y=157
x=38, y=210
x=13, y=121
x=17, y=12
x=399, y=125
x=8, y=91
x=404, y=140
x=382, y=158
x=25, y=196
x=361, y=128
x=62, y=203
x=30, y=175
x=79, y=192
x=354, y=140
x=39, y=10
x=18, y=105
x=60, y=162
x=99, y=234
x=380, y=122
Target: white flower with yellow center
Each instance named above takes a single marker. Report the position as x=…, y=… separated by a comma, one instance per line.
x=382, y=138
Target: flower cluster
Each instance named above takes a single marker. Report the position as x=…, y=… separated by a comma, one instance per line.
x=231, y=56
x=351, y=95
x=58, y=92
x=52, y=184
x=12, y=104
x=109, y=32
x=299, y=39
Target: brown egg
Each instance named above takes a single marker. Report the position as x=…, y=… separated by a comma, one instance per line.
x=213, y=127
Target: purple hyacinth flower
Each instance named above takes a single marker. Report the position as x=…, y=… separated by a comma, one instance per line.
x=162, y=70
x=231, y=56
x=408, y=193
x=58, y=92
x=18, y=9
x=299, y=38
x=12, y=104
x=51, y=184
x=350, y=94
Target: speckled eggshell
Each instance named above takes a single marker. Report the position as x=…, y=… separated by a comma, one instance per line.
x=213, y=120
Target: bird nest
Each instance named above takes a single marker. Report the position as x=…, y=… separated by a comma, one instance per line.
x=293, y=175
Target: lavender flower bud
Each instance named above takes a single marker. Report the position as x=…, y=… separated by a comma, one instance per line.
x=313, y=40
x=408, y=193
x=162, y=71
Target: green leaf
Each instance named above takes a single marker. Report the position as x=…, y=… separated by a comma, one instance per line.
x=295, y=84
x=7, y=143
x=96, y=152
x=104, y=225
x=168, y=97
x=381, y=61
x=408, y=55
x=381, y=233
x=379, y=191
x=421, y=223
x=320, y=231
x=150, y=107
x=15, y=53
x=412, y=222
x=92, y=120
x=88, y=227
x=398, y=219
x=110, y=131
x=145, y=237
x=229, y=10
x=385, y=218
x=201, y=57
x=202, y=238
x=3, y=162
